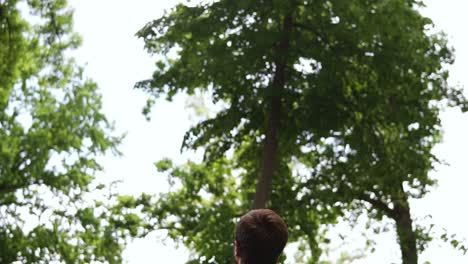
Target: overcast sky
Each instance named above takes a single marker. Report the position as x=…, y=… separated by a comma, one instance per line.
x=115, y=59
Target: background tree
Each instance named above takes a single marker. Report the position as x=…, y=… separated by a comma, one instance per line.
x=294, y=75
x=51, y=132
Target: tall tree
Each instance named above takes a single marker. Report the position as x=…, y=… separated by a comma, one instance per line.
x=52, y=130
x=292, y=74
x=381, y=165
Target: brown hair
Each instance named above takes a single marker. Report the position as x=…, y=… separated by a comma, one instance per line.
x=261, y=236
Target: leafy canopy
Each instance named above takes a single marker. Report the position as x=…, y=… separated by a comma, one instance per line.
x=364, y=85
x=52, y=129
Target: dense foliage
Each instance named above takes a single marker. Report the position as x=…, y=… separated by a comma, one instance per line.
x=52, y=130
x=340, y=100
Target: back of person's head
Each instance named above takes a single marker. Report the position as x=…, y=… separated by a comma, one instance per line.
x=260, y=237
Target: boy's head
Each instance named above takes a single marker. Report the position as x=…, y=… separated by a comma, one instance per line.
x=260, y=237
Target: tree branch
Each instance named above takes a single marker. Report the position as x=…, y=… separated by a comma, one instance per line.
x=378, y=204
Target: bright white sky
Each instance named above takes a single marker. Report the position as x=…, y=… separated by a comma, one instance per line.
x=116, y=60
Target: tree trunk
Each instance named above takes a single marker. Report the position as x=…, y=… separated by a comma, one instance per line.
x=406, y=234
x=271, y=141
x=404, y=224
